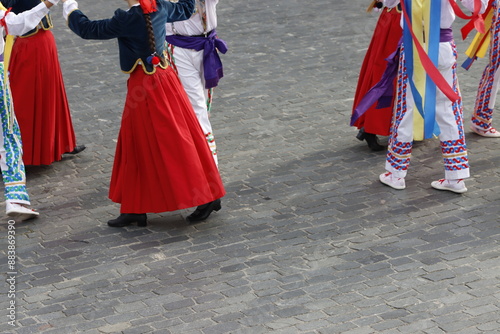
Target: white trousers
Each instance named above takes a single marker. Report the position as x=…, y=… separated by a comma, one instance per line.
x=189, y=64
x=482, y=117
x=449, y=118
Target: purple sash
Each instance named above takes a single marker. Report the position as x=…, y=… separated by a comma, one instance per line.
x=212, y=65
x=446, y=35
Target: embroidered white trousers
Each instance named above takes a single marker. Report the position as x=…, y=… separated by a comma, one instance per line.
x=449, y=118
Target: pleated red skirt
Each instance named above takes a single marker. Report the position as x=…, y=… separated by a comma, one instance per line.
x=162, y=161
x=40, y=101
x=385, y=40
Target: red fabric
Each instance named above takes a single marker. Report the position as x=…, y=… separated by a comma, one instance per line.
x=476, y=19
x=148, y=6
x=385, y=40
x=40, y=101
x=162, y=161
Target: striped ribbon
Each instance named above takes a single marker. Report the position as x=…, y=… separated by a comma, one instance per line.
x=425, y=78
x=480, y=43
x=422, y=68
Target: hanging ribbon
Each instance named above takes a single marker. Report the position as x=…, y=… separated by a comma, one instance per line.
x=426, y=31
x=480, y=43
x=432, y=36
x=415, y=71
x=475, y=20
x=429, y=67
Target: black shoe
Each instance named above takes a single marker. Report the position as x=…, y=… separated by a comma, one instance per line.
x=371, y=140
x=361, y=134
x=77, y=149
x=125, y=219
x=203, y=211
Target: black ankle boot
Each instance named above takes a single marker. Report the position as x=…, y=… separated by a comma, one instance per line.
x=361, y=134
x=371, y=140
x=125, y=219
x=203, y=211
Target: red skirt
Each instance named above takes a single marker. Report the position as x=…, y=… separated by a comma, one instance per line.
x=162, y=161
x=40, y=101
x=385, y=40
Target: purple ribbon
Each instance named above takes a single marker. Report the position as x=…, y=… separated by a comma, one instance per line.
x=212, y=65
x=383, y=91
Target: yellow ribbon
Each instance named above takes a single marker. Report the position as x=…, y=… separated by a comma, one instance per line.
x=481, y=42
x=420, y=10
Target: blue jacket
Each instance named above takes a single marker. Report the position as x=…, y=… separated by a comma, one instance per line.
x=129, y=27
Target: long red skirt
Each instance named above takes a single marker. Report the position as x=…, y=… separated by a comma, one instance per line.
x=40, y=101
x=385, y=40
x=162, y=161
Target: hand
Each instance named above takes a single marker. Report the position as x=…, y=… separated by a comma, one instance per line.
x=54, y=2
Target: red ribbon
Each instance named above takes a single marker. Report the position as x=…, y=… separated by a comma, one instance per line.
x=3, y=23
x=476, y=19
x=428, y=65
x=148, y=6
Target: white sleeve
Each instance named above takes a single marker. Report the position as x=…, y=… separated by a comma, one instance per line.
x=469, y=4
x=390, y=3
x=68, y=7
x=18, y=24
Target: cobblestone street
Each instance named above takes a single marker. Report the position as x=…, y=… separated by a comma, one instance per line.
x=308, y=240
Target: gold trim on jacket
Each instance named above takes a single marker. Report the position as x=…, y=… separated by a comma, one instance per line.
x=41, y=26
x=163, y=64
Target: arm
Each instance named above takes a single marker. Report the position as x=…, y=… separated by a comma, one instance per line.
x=18, y=24
x=180, y=11
x=469, y=4
x=80, y=24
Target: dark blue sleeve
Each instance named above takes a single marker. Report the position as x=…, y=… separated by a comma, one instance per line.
x=8, y=3
x=179, y=11
x=99, y=29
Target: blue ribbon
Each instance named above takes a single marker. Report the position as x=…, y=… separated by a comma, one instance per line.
x=430, y=125
x=427, y=110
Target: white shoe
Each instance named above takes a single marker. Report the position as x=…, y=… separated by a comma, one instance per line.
x=392, y=181
x=457, y=186
x=491, y=132
x=20, y=212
